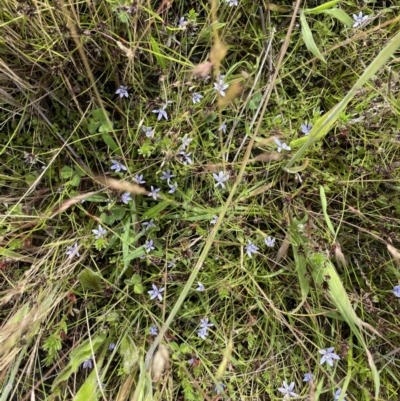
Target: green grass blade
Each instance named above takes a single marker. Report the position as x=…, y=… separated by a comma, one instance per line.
x=324, y=209
x=308, y=38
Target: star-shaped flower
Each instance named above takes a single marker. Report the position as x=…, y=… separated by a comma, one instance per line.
x=122, y=91
x=222, y=127
x=153, y=330
x=73, y=250
x=111, y=346
x=251, y=248
x=156, y=293
x=196, y=98
x=185, y=141
x=138, y=178
x=337, y=394
x=149, y=246
x=182, y=23
x=306, y=128
x=219, y=388
x=221, y=86
x=232, y=2
x=100, y=232
x=359, y=19
x=328, y=356
x=154, y=192
x=221, y=178
x=396, y=291
x=167, y=175
x=186, y=159
x=214, y=220
x=126, y=197
x=204, y=324
x=88, y=364
x=149, y=131
x=173, y=187
x=117, y=166
x=308, y=377
x=200, y=287
x=287, y=390
x=281, y=145
x=161, y=114
x=202, y=333
x=270, y=241
x=148, y=224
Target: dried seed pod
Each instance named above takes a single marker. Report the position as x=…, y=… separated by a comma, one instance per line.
x=160, y=362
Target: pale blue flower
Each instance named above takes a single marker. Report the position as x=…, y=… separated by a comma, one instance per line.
x=126, y=197
x=328, y=356
x=149, y=131
x=149, y=246
x=155, y=293
x=100, y=232
x=337, y=394
x=200, y=287
x=153, y=330
x=396, y=291
x=122, y=91
x=117, y=166
x=171, y=264
x=111, y=346
x=186, y=159
x=359, y=19
x=306, y=128
x=221, y=86
x=196, y=98
x=73, y=250
x=185, y=141
x=148, y=224
x=138, y=178
x=166, y=175
x=221, y=178
x=204, y=324
x=173, y=187
x=269, y=241
x=191, y=361
x=161, y=114
x=154, y=192
x=287, y=390
x=202, y=333
x=220, y=388
x=214, y=220
x=232, y=2
x=308, y=377
x=88, y=364
x=222, y=127
x=281, y=145
x=182, y=23
x=251, y=248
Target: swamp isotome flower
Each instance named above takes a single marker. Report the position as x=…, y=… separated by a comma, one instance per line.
x=204, y=324
x=202, y=333
x=232, y=2
x=270, y=241
x=221, y=178
x=182, y=23
x=149, y=131
x=122, y=91
x=359, y=19
x=186, y=159
x=222, y=127
x=111, y=346
x=117, y=166
x=161, y=113
x=281, y=145
x=88, y=364
x=196, y=98
x=153, y=330
x=173, y=187
x=166, y=175
x=149, y=246
x=337, y=394
x=308, y=377
x=306, y=128
x=396, y=291
x=126, y=197
x=214, y=220
x=328, y=356
x=251, y=248
x=155, y=293
x=138, y=178
x=148, y=224
x=100, y=232
x=220, y=86
x=219, y=388
x=200, y=287
x=72, y=250
x=287, y=390
x=154, y=192
x=185, y=141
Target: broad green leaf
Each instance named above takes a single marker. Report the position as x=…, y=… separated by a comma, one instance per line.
x=129, y=353
x=90, y=280
x=157, y=52
x=138, y=289
x=93, y=126
x=156, y=210
x=109, y=141
x=324, y=209
x=89, y=389
x=323, y=125
x=322, y=7
x=308, y=38
x=340, y=15
x=66, y=172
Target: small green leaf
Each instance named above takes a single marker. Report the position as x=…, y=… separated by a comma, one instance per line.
x=90, y=280
x=157, y=52
x=129, y=354
x=295, y=170
x=106, y=126
x=111, y=143
x=93, y=126
x=308, y=38
x=66, y=172
x=324, y=209
x=136, y=279
x=340, y=15
x=156, y=210
x=118, y=213
x=322, y=7
x=76, y=180
x=138, y=289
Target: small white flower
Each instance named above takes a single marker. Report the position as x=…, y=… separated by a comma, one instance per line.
x=185, y=141
x=200, y=287
x=73, y=250
x=202, y=333
x=281, y=145
x=155, y=293
x=182, y=23
x=161, y=113
x=148, y=224
x=173, y=187
x=149, y=246
x=186, y=159
x=222, y=127
x=126, y=197
x=221, y=86
x=251, y=248
x=166, y=175
x=328, y=355
x=117, y=166
x=122, y=91
x=154, y=192
x=138, y=178
x=232, y=2
x=100, y=232
x=269, y=241
x=149, y=131
x=306, y=128
x=359, y=19
x=214, y=220
x=196, y=98
x=221, y=178
x=287, y=390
